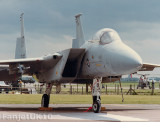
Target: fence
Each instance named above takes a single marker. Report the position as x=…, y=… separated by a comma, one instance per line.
x=108, y=89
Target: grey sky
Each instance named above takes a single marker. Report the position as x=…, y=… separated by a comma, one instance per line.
x=50, y=24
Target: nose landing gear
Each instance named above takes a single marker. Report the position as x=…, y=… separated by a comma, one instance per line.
x=96, y=95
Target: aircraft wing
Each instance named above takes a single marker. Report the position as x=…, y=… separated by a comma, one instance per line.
x=22, y=61
x=149, y=67
x=32, y=65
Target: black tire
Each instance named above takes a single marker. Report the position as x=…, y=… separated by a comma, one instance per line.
x=96, y=106
x=45, y=101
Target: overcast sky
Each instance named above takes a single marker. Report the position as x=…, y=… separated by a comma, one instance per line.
x=50, y=24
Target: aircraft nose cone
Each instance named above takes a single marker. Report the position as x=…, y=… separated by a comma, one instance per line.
x=133, y=62
x=126, y=63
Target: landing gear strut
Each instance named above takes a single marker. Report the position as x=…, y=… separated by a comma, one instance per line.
x=46, y=96
x=96, y=95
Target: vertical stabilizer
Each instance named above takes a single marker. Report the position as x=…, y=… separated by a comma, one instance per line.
x=20, y=44
x=75, y=43
x=79, y=31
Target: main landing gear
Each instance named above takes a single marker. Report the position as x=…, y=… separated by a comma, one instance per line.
x=46, y=96
x=96, y=95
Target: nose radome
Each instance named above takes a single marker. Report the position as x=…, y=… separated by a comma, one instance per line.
x=133, y=61
x=126, y=62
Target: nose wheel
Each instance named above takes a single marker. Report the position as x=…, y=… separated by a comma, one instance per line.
x=96, y=106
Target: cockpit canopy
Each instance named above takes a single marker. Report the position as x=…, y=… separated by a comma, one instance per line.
x=106, y=36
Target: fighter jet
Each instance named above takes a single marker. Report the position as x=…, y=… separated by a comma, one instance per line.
x=105, y=58
x=20, y=53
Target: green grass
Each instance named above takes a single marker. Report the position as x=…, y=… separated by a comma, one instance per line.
x=78, y=99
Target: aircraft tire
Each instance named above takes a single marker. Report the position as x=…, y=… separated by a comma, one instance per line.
x=96, y=106
x=45, y=101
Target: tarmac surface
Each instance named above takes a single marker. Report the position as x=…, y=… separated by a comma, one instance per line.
x=78, y=112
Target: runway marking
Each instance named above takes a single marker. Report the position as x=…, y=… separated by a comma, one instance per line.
x=121, y=105
x=66, y=116
x=124, y=118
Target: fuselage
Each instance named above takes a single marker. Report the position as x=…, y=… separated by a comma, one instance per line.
x=107, y=55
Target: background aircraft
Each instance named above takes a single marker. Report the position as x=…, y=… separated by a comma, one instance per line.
x=20, y=52
x=104, y=59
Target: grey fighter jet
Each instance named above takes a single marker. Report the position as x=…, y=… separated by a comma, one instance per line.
x=105, y=58
x=20, y=53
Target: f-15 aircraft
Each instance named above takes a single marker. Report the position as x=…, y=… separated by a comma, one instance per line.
x=105, y=58
x=20, y=53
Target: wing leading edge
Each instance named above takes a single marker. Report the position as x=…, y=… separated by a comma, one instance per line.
x=22, y=61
